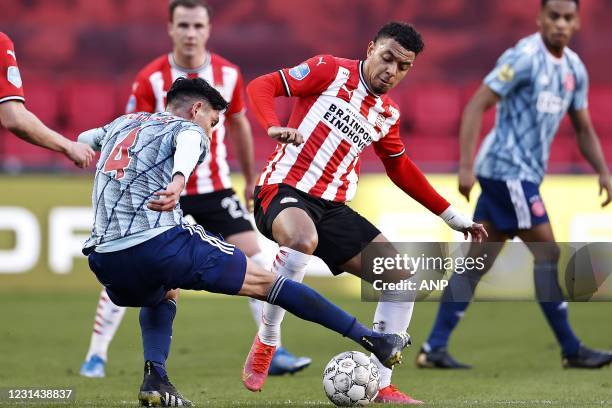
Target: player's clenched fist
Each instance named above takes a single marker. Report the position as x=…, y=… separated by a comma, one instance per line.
x=466, y=182
x=286, y=135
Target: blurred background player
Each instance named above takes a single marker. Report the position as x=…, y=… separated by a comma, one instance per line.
x=341, y=108
x=143, y=252
x=24, y=124
x=209, y=197
x=534, y=84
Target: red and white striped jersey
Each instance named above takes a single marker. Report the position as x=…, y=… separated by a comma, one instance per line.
x=149, y=95
x=339, y=117
x=11, y=87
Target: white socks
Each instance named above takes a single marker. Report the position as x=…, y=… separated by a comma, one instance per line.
x=291, y=264
x=391, y=317
x=257, y=305
x=108, y=318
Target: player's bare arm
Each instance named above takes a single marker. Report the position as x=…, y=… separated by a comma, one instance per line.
x=589, y=145
x=286, y=135
x=24, y=124
x=471, y=125
x=240, y=131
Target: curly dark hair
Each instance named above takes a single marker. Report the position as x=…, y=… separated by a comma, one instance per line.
x=189, y=89
x=405, y=34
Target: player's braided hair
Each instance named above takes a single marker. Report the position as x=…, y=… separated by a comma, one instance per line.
x=544, y=2
x=405, y=34
x=187, y=89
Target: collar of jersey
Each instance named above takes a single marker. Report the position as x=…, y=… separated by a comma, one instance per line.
x=551, y=57
x=174, y=65
x=362, y=79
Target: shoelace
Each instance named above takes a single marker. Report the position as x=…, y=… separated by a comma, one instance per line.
x=261, y=358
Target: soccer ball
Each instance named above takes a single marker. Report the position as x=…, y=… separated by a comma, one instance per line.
x=351, y=379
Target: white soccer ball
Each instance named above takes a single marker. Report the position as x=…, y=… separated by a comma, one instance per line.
x=351, y=379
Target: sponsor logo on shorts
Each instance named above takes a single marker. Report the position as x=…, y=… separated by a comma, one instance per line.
x=537, y=206
x=288, y=200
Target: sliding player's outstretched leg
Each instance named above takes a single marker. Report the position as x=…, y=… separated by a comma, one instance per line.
x=308, y=304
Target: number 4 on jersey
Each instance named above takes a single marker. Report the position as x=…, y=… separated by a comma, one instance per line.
x=119, y=159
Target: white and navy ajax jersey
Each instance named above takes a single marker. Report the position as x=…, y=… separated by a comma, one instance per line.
x=536, y=90
x=136, y=161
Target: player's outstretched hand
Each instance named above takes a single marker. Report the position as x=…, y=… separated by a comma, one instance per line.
x=169, y=197
x=466, y=182
x=286, y=135
x=605, y=185
x=461, y=223
x=477, y=231
x=81, y=154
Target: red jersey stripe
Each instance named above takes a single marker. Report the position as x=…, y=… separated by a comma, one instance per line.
x=330, y=168
x=284, y=149
x=192, y=183
x=214, y=165
x=307, y=154
x=367, y=104
x=341, y=193
x=217, y=73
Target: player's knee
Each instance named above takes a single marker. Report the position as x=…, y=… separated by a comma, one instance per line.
x=305, y=242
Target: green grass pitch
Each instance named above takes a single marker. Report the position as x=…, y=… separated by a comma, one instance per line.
x=44, y=336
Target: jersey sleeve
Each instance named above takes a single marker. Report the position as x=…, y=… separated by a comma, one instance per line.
x=580, y=100
x=237, y=102
x=311, y=77
x=204, y=140
x=391, y=145
x=513, y=69
x=11, y=87
x=93, y=138
x=405, y=174
x=187, y=152
x=142, y=98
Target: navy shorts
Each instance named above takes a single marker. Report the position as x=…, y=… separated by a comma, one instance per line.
x=510, y=206
x=185, y=257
